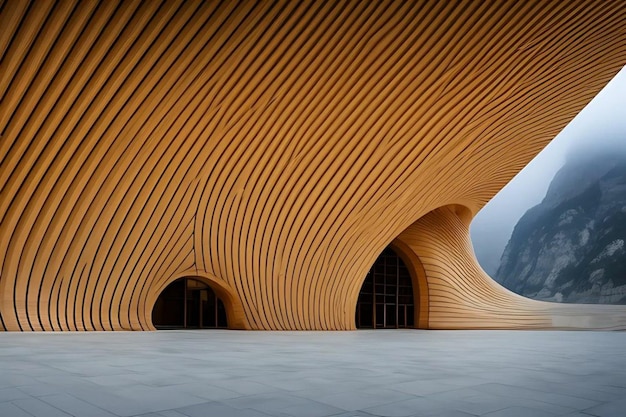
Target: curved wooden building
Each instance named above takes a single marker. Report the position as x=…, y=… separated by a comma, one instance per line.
x=271, y=151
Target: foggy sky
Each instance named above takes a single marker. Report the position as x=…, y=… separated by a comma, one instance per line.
x=599, y=127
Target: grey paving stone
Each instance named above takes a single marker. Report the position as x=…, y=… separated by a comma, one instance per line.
x=332, y=386
x=114, y=380
x=423, y=387
x=11, y=410
x=273, y=403
x=114, y=403
x=10, y=394
x=450, y=413
x=587, y=390
x=315, y=373
x=416, y=406
x=519, y=412
x=169, y=413
x=456, y=395
x=146, y=399
x=11, y=379
x=207, y=391
x=609, y=409
x=75, y=406
x=243, y=386
x=151, y=415
x=40, y=389
x=480, y=405
x=548, y=397
x=62, y=379
x=309, y=408
x=39, y=408
x=360, y=400
x=215, y=409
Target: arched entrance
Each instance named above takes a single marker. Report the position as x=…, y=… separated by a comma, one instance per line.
x=189, y=304
x=386, y=298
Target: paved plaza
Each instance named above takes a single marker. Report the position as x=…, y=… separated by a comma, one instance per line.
x=359, y=373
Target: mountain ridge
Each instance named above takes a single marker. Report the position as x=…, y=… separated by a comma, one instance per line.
x=570, y=247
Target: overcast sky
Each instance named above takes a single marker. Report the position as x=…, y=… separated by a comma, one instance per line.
x=600, y=125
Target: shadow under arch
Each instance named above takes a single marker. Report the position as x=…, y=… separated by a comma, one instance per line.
x=401, y=245
x=232, y=303
x=370, y=298
x=418, y=279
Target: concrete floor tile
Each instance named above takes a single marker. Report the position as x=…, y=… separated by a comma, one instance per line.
x=531, y=394
x=268, y=403
x=309, y=408
x=423, y=387
x=148, y=399
x=40, y=389
x=609, y=409
x=243, y=386
x=482, y=404
x=11, y=379
x=416, y=406
x=150, y=415
x=75, y=406
x=39, y=408
x=489, y=403
x=11, y=410
x=314, y=373
x=207, y=391
x=10, y=394
x=519, y=412
x=360, y=400
x=450, y=413
x=215, y=409
x=113, y=380
x=455, y=395
x=169, y=413
x=587, y=390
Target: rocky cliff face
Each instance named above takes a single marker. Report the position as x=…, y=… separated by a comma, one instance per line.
x=571, y=247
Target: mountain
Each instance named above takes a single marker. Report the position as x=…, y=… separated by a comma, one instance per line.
x=571, y=246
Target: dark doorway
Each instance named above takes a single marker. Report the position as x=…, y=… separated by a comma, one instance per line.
x=189, y=304
x=386, y=297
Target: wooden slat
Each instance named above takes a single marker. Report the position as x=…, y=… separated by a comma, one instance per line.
x=274, y=150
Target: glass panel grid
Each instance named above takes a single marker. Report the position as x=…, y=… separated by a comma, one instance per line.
x=386, y=297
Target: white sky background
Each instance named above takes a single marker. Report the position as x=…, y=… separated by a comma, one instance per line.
x=600, y=125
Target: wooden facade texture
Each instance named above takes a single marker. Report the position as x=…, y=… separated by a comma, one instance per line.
x=273, y=150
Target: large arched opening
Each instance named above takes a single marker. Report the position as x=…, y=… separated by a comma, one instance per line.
x=189, y=303
x=393, y=294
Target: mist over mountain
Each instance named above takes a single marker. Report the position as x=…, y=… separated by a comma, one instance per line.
x=571, y=246
x=598, y=128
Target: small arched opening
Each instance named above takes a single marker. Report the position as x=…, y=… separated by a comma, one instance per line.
x=387, y=297
x=189, y=303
